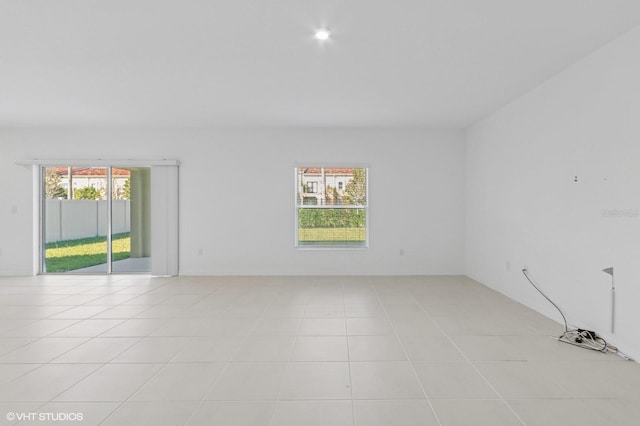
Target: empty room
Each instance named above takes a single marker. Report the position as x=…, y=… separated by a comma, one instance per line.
x=340, y=213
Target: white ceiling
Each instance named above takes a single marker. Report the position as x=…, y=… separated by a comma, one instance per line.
x=418, y=63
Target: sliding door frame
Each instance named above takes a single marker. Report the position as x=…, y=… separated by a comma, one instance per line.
x=39, y=226
x=109, y=222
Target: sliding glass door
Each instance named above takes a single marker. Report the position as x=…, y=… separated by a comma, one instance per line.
x=96, y=220
x=131, y=219
x=75, y=219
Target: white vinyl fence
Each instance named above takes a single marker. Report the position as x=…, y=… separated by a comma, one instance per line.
x=74, y=219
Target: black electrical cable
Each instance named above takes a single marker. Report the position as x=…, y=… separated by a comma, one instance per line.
x=581, y=338
x=585, y=339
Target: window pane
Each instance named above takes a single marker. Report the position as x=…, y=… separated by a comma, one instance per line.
x=331, y=207
x=330, y=186
x=332, y=227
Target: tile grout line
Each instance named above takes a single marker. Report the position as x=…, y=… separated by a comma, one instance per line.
x=164, y=365
x=228, y=363
x=288, y=363
x=52, y=400
x=277, y=398
x=406, y=354
x=213, y=382
x=346, y=330
x=504, y=401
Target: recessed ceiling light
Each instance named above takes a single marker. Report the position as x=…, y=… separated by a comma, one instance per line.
x=322, y=34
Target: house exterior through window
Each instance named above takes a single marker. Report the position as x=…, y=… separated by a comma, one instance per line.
x=331, y=207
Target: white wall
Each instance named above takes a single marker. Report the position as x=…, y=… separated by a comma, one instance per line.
x=524, y=207
x=416, y=195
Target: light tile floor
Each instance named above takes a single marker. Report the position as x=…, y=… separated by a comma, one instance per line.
x=284, y=351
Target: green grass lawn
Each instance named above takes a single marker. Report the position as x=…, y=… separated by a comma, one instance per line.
x=332, y=235
x=63, y=256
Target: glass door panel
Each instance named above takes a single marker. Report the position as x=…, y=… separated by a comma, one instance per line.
x=75, y=220
x=131, y=219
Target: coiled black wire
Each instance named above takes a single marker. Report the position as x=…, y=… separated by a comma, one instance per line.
x=582, y=338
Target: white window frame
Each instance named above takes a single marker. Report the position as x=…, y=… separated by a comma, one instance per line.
x=297, y=206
